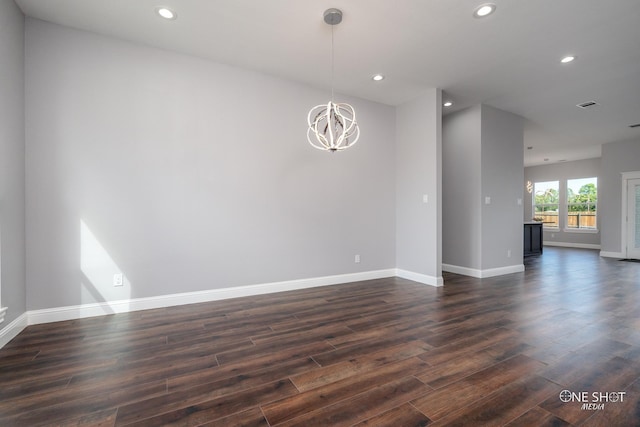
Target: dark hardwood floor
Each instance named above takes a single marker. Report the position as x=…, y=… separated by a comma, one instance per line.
x=388, y=352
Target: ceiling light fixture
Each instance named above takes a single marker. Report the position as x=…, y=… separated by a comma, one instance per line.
x=166, y=13
x=448, y=104
x=484, y=10
x=332, y=127
x=568, y=59
x=377, y=77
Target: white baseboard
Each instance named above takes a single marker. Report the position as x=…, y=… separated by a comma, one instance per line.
x=482, y=274
x=606, y=254
x=420, y=278
x=99, y=309
x=571, y=245
x=10, y=331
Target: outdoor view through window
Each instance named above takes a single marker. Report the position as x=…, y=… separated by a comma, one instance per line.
x=582, y=197
x=546, y=203
x=576, y=207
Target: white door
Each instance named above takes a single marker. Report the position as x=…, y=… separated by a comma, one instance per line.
x=633, y=218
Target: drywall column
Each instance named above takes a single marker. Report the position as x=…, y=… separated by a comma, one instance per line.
x=12, y=169
x=461, y=187
x=419, y=189
x=502, y=203
x=483, y=171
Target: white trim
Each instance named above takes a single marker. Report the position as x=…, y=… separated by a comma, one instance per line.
x=10, y=331
x=3, y=310
x=581, y=230
x=465, y=271
x=571, y=245
x=611, y=254
x=482, y=274
x=161, y=301
x=626, y=176
x=420, y=278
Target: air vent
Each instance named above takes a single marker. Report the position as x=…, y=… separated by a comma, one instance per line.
x=587, y=104
x=637, y=125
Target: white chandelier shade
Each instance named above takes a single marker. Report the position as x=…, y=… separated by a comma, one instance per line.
x=332, y=127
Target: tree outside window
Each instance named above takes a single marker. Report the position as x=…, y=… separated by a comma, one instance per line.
x=546, y=202
x=582, y=199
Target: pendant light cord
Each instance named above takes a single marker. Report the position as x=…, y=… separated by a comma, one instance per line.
x=332, y=63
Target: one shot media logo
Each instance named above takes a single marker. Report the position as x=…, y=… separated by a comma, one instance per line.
x=592, y=400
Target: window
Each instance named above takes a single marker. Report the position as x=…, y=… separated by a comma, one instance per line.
x=582, y=198
x=546, y=202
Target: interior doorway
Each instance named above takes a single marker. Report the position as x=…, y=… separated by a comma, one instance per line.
x=633, y=218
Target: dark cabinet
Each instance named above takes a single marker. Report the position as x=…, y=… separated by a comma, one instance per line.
x=532, y=238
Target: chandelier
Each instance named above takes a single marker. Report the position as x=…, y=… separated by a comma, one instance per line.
x=332, y=126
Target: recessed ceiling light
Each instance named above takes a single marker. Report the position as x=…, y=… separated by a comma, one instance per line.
x=166, y=13
x=484, y=10
x=378, y=77
x=546, y=160
x=568, y=59
x=448, y=104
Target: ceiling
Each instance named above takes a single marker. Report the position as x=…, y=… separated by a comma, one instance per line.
x=509, y=60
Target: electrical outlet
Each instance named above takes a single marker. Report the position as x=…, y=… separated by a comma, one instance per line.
x=508, y=253
x=118, y=280
x=357, y=259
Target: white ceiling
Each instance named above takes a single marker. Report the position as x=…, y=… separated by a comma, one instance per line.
x=509, y=60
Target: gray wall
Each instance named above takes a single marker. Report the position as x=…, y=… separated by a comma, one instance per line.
x=562, y=172
x=461, y=187
x=482, y=157
x=617, y=157
x=502, y=172
x=12, y=169
x=188, y=175
x=418, y=174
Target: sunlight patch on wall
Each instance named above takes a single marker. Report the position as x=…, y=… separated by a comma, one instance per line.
x=103, y=280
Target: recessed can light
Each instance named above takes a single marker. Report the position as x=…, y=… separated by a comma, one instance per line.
x=377, y=77
x=448, y=104
x=166, y=13
x=567, y=59
x=484, y=10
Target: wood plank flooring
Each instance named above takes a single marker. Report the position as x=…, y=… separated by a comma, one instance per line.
x=389, y=352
